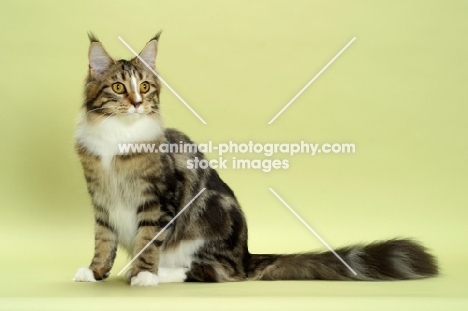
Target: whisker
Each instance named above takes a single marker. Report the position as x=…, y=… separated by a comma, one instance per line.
x=112, y=114
x=100, y=116
x=96, y=109
x=156, y=112
x=162, y=115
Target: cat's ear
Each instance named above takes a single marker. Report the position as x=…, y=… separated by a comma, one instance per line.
x=99, y=60
x=148, y=54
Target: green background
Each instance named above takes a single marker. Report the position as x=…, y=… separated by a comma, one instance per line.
x=398, y=92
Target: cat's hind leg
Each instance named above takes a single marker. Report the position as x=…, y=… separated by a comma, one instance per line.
x=213, y=272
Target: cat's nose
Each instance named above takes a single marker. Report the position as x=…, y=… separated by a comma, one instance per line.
x=136, y=103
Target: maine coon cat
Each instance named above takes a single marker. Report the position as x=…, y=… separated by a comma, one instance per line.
x=136, y=194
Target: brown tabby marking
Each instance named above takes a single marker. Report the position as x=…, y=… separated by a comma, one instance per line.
x=135, y=195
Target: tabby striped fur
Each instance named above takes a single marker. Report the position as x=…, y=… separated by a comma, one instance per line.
x=136, y=194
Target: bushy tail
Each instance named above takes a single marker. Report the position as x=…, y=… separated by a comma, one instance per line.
x=398, y=259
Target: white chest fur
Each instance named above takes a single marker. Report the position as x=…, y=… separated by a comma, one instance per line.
x=102, y=137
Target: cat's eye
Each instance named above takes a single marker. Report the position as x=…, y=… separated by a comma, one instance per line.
x=144, y=87
x=118, y=87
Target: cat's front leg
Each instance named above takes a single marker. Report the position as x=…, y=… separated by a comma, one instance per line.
x=146, y=251
x=105, y=249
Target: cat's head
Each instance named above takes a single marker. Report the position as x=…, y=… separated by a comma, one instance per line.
x=122, y=87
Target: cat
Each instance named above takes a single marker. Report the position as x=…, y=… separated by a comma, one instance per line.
x=135, y=195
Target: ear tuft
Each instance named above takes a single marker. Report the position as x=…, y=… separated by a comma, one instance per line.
x=99, y=60
x=92, y=37
x=156, y=37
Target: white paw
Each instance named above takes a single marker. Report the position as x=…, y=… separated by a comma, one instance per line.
x=145, y=278
x=172, y=274
x=84, y=275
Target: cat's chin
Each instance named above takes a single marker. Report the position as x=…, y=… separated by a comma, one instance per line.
x=132, y=116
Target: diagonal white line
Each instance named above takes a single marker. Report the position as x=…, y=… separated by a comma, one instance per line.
x=313, y=231
x=162, y=80
x=313, y=79
x=160, y=232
